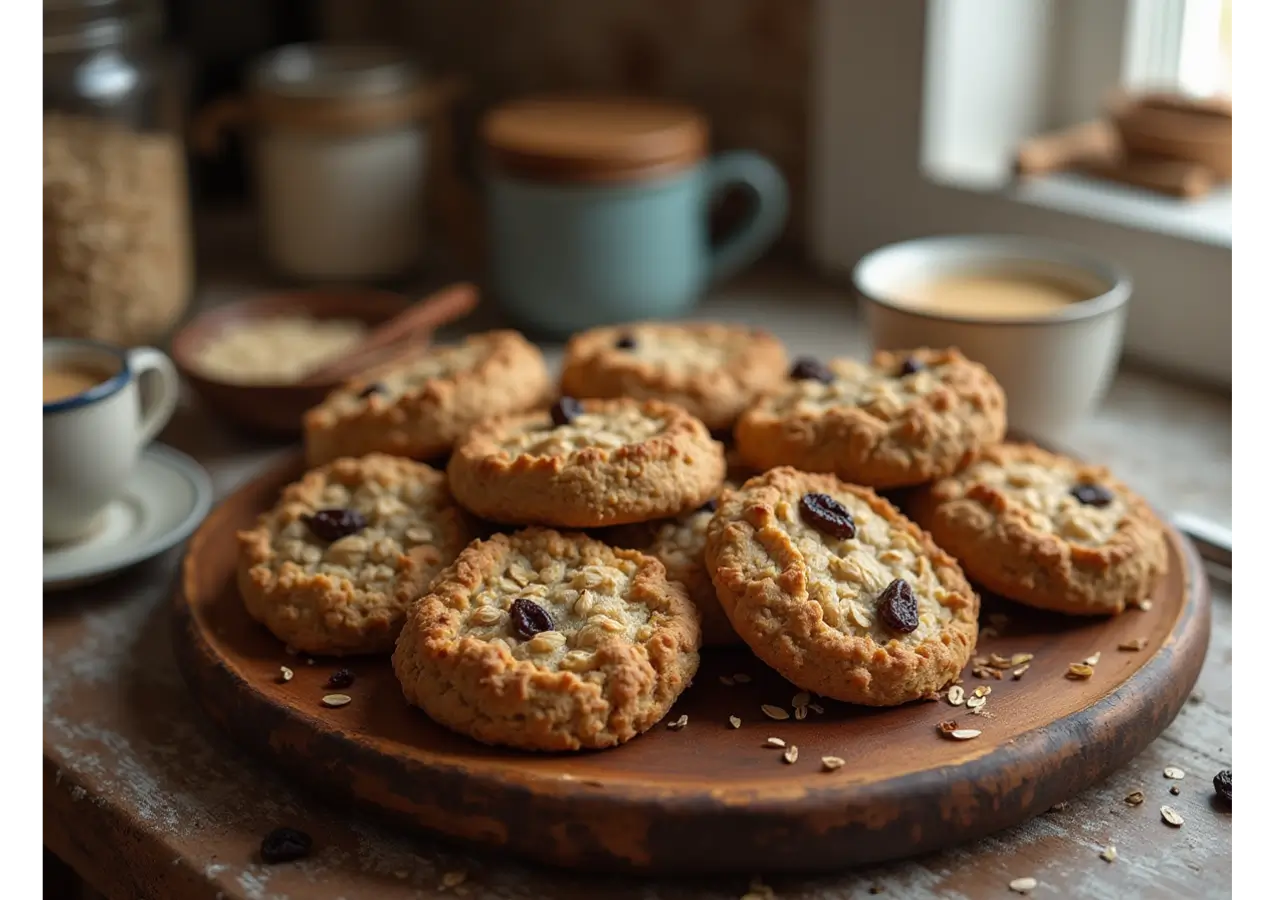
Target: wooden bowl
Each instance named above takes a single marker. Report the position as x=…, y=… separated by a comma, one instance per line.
x=276, y=409
x=1167, y=126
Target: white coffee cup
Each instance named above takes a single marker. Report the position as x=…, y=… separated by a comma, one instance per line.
x=93, y=439
x=1054, y=368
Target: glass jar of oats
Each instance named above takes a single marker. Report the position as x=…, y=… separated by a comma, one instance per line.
x=117, y=236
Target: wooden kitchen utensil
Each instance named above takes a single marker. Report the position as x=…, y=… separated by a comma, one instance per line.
x=709, y=796
x=421, y=318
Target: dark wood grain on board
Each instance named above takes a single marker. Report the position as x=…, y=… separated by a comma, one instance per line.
x=707, y=798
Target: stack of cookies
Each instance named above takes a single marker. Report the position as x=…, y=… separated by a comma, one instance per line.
x=551, y=585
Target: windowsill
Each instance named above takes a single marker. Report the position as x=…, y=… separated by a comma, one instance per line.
x=1206, y=220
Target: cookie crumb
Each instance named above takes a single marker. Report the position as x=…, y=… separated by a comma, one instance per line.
x=832, y=763
x=735, y=721
x=1021, y=671
x=285, y=674
x=1023, y=885
x=790, y=754
x=1079, y=671
x=1108, y=853
x=1134, y=645
x=1145, y=605
x=451, y=879
x=776, y=742
x=1135, y=799
x=335, y=700
x=680, y=722
x=1093, y=660
x=774, y=712
x=1171, y=817
x=1174, y=772
x=956, y=695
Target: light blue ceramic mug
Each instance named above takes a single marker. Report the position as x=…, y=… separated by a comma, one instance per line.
x=566, y=255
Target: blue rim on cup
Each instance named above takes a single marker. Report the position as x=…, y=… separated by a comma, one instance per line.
x=981, y=252
x=97, y=392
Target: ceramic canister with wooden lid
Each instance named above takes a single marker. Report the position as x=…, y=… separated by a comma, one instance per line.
x=598, y=210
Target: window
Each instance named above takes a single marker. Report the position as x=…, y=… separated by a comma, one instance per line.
x=919, y=108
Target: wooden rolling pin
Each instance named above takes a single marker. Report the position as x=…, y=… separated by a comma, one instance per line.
x=400, y=334
x=1089, y=143
x=1173, y=177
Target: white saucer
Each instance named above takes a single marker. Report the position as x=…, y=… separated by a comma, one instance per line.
x=168, y=495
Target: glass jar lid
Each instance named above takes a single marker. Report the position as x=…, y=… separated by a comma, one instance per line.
x=334, y=71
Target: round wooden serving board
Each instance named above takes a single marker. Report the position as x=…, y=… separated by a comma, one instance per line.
x=707, y=797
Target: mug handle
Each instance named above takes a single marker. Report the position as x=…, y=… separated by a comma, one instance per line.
x=149, y=364
x=751, y=238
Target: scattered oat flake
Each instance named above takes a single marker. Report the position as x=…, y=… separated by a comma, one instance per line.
x=775, y=712
x=1135, y=799
x=800, y=713
x=831, y=763
x=1022, y=885
x=997, y=661
x=956, y=695
x=1093, y=660
x=451, y=879
x=1079, y=671
x=800, y=699
x=335, y=700
x=980, y=661
x=975, y=702
x=790, y=754
x=741, y=678
x=1134, y=645
x=680, y=722
x=775, y=742
x=1174, y=772
x=1019, y=658
x=727, y=680
x=285, y=674
x=982, y=690
x=1021, y=671
x=1144, y=605
x=1109, y=853
x=1171, y=816
x=964, y=734
x=816, y=708
x=735, y=721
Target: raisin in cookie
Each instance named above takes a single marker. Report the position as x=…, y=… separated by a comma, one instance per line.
x=905, y=419
x=713, y=371
x=548, y=641
x=837, y=591
x=333, y=567
x=1046, y=530
x=587, y=464
x=679, y=544
x=420, y=406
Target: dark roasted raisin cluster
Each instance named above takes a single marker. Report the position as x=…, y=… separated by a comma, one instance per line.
x=566, y=411
x=897, y=607
x=334, y=524
x=826, y=514
x=1092, y=494
x=529, y=618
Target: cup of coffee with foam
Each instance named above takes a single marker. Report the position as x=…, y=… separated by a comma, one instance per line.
x=1045, y=318
x=102, y=406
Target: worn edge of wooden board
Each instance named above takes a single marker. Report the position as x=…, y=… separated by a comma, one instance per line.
x=989, y=800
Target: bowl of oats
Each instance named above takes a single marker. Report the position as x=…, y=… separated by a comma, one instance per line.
x=253, y=360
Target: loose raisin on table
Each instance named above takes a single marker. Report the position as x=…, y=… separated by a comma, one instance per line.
x=897, y=607
x=285, y=845
x=911, y=366
x=334, y=524
x=809, y=369
x=374, y=388
x=341, y=678
x=625, y=342
x=1092, y=494
x=827, y=515
x=1222, y=784
x=529, y=618
x=565, y=411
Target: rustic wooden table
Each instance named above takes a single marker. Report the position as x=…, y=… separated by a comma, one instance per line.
x=144, y=798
